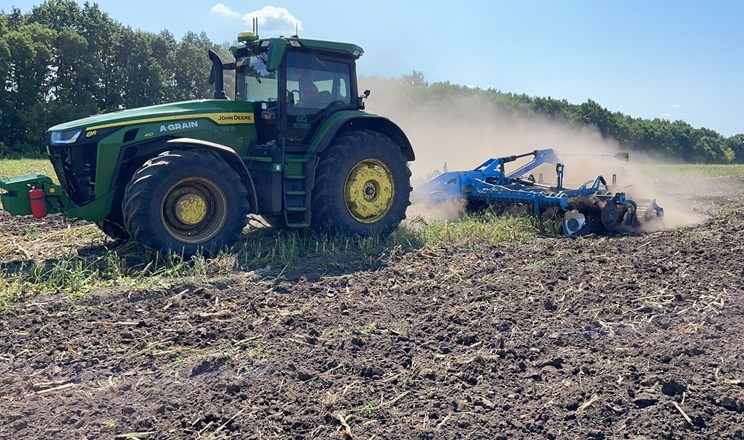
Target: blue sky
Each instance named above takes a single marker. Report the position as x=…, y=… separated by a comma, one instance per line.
x=670, y=59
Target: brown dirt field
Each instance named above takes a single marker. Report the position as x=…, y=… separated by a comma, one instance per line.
x=638, y=336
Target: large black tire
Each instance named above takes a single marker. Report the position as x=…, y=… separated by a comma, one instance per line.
x=362, y=185
x=186, y=202
x=113, y=226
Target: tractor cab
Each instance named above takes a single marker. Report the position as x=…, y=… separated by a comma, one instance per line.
x=315, y=79
x=306, y=117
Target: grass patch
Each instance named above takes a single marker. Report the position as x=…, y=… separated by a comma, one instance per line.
x=479, y=229
x=17, y=167
x=539, y=264
x=77, y=261
x=702, y=171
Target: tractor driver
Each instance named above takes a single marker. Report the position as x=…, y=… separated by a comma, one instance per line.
x=308, y=89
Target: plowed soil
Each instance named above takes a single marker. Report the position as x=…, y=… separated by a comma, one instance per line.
x=632, y=336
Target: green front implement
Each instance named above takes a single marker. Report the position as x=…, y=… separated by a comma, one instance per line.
x=16, y=200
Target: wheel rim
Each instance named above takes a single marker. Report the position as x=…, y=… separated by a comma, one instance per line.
x=369, y=191
x=194, y=210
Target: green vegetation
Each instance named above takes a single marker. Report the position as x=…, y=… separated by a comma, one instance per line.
x=62, y=61
x=683, y=172
x=17, y=167
x=542, y=263
x=54, y=263
x=78, y=260
x=485, y=228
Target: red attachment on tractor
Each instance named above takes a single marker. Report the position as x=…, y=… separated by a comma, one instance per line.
x=38, y=202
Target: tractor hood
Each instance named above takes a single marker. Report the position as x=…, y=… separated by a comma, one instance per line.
x=213, y=108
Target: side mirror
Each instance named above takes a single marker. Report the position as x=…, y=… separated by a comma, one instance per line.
x=360, y=100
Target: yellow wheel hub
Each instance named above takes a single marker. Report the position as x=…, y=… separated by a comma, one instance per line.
x=191, y=209
x=194, y=210
x=369, y=191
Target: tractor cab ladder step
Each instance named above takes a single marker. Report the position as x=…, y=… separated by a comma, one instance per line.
x=298, y=225
x=298, y=182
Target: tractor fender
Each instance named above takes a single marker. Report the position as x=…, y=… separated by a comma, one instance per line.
x=228, y=155
x=363, y=121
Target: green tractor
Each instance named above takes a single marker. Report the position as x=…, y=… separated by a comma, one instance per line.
x=294, y=146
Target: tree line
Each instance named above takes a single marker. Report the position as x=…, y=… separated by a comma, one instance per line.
x=62, y=61
x=672, y=140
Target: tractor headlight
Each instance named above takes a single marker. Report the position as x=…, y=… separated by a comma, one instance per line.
x=65, y=137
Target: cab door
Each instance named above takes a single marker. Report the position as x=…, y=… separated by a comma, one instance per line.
x=317, y=85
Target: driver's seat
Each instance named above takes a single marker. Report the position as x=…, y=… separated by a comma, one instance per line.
x=325, y=97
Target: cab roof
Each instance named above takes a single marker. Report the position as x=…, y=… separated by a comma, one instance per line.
x=248, y=40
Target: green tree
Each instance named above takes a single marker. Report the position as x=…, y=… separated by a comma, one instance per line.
x=26, y=83
x=144, y=78
x=591, y=113
x=3, y=23
x=5, y=68
x=56, y=15
x=736, y=145
x=72, y=86
x=415, y=79
x=549, y=107
x=101, y=33
x=192, y=67
x=15, y=19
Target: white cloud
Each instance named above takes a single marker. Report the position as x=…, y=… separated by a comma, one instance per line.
x=221, y=9
x=665, y=115
x=676, y=106
x=273, y=20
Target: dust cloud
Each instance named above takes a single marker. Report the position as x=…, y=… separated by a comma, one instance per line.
x=466, y=131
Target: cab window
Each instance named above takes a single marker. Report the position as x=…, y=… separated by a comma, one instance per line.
x=316, y=86
x=317, y=83
x=253, y=82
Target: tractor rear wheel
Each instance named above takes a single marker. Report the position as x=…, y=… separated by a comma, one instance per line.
x=186, y=202
x=362, y=185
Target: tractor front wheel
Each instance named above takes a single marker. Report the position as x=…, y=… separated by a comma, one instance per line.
x=362, y=185
x=186, y=202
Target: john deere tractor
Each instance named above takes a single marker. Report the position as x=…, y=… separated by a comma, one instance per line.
x=293, y=145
